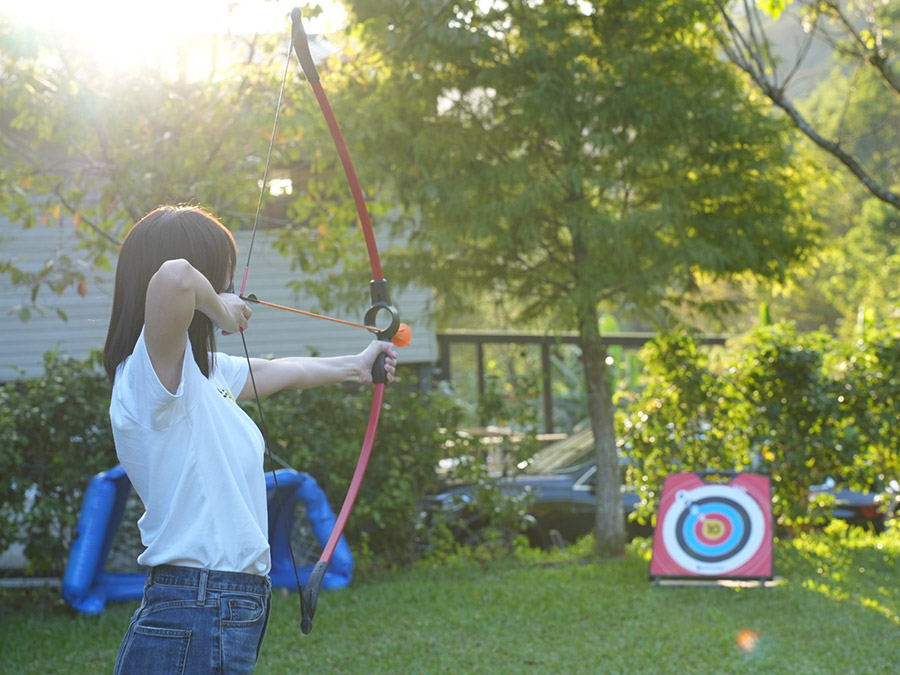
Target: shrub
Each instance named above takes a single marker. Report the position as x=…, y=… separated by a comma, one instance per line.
x=54, y=435
x=320, y=431
x=683, y=420
x=798, y=427
x=871, y=369
x=798, y=407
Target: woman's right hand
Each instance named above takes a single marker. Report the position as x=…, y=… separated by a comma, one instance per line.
x=235, y=314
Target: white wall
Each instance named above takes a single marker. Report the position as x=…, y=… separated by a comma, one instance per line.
x=272, y=332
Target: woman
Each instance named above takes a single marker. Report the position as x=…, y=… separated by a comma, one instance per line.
x=194, y=457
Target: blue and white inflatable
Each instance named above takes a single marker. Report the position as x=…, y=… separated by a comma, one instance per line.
x=87, y=586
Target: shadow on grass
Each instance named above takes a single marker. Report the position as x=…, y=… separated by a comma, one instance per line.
x=847, y=565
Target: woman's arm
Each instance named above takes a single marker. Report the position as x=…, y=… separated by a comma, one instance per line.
x=306, y=372
x=174, y=293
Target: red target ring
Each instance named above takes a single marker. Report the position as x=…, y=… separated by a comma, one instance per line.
x=713, y=529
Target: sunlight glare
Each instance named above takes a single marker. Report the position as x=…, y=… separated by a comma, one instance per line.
x=746, y=640
x=124, y=35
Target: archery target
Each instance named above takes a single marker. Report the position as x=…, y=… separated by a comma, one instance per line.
x=713, y=530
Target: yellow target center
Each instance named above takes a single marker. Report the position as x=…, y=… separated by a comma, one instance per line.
x=713, y=529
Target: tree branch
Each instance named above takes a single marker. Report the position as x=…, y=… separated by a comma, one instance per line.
x=875, y=189
x=745, y=54
x=874, y=57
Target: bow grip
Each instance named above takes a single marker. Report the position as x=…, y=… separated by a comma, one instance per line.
x=381, y=302
x=379, y=374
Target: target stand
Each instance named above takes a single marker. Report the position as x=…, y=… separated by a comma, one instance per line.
x=712, y=531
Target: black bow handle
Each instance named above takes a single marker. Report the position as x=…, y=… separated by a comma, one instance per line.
x=381, y=302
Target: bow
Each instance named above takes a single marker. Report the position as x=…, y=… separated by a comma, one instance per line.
x=380, y=302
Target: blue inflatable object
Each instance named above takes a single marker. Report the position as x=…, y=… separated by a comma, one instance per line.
x=87, y=586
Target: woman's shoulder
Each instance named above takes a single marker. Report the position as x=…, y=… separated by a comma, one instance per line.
x=138, y=391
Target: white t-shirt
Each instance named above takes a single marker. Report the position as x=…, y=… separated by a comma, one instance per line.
x=196, y=460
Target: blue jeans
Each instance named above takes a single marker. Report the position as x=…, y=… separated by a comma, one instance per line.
x=196, y=621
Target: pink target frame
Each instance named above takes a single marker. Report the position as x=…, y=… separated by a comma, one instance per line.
x=667, y=562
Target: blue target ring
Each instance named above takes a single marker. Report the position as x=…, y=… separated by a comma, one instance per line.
x=691, y=522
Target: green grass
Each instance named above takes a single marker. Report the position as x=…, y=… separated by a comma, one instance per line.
x=836, y=610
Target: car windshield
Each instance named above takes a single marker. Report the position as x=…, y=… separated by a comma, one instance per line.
x=570, y=453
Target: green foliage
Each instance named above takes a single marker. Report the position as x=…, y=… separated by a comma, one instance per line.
x=798, y=407
x=858, y=273
x=489, y=517
x=685, y=419
x=490, y=523
x=569, y=400
x=320, y=431
x=505, y=403
x=94, y=153
x=573, y=155
x=855, y=274
x=871, y=368
x=774, y=7
x=54, y=436
x=841, y=89
x=793, y=403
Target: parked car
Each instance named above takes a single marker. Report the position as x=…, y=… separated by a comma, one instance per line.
x=561, y=480
x=872, y=510
x=892, y=503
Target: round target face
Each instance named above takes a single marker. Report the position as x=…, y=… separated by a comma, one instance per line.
x=713, y=529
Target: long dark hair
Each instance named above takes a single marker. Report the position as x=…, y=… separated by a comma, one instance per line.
x=167, y=233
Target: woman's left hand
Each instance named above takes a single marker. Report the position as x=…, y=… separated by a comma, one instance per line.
x=370, y=354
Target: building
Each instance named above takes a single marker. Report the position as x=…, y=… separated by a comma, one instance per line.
x=273, y=333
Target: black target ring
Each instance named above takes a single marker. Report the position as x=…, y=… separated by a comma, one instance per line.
x=690, y=549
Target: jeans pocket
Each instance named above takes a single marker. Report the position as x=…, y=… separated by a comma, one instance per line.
x=243, y=622
x=150, y=649
x=242, y=610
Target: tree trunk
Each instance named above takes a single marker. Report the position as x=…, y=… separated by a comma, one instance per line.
x=609, y=529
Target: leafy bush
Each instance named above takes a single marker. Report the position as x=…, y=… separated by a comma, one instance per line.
x=871, y=396
x=320, y=431
x=798, y=407
x=54, y=435
x=799, y=426
x=675, y=424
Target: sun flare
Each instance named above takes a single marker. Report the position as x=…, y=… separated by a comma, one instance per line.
x=121, y=36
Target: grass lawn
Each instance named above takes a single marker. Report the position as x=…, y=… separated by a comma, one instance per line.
x=836, y=610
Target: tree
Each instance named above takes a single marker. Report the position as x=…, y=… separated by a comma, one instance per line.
x=98, y=153
x=863, y=36
x=577, y=158
x=846, y=100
